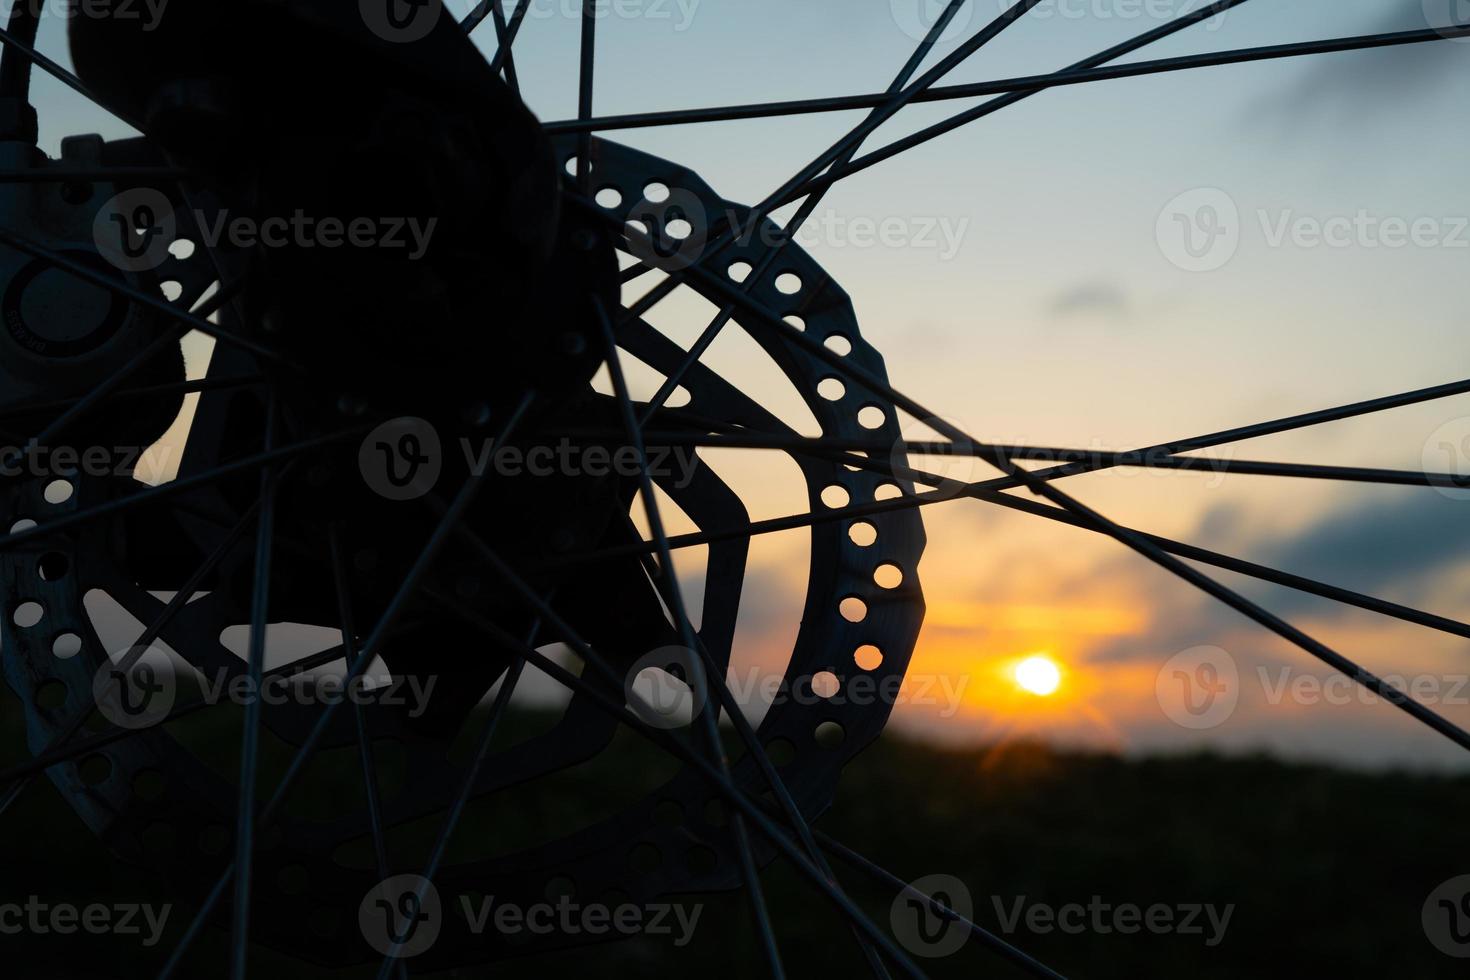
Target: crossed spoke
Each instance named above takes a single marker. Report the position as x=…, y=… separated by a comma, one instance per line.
x=804, y=847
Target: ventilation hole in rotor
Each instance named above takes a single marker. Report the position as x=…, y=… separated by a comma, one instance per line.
x=53, y=566
x=781, y=751
x=825, y=684
x=835, y=496
x=24, y=524
x=94, y=770
x=853, y=609
x=887, y=491
x=572, y=166
x=831, y=389
x=829, y=735
x=888, y=576
x=871, y=417
x=868, y=657
x=740, y=271
x=149, y=784
x=609, y=197
x=59, y=491
x=714, y=813
x=172, y=290
x=636, y=229
x=645, y=858
x=560, y=886
x=795, y=321
x=788, y=283
x=862, y=534
x=838, y=344
x=701, y=860
x=678, y=229
x=292, y=880
x=66, y=646
x=668, y=813
x=27, y=614
x=51, y=695
x=656, y=192
x=181, y=248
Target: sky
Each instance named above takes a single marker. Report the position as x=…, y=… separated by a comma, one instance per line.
x=1061, y=306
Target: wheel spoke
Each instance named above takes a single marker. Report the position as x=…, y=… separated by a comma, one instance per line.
x=1073, y=75
x=85, y=746
x=250, y=741
x=1093, y=72
x=976, y=491
x=154, y=303
x=407, y=589
x=763, y=266
x=1039, y=483
x=365, y=753
x=708, y=716
x=140, y=646
x=467, y=786
x=51, y=68
x=1026, y=962
x=135, y=363
x=132, y=394
x=174, y=488
x=502, y=40
x=800, y=446
x=585, y=77
x=658, y=737
x=851, y=141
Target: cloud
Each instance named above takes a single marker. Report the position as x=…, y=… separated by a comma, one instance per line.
x=1377, y=81
x=1398, y=543
x=1090, y=298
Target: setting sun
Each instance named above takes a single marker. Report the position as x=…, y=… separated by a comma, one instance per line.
x=1039, y=675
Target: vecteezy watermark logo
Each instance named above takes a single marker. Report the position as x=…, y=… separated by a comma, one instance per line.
x=401, y=916
x=666, y=688
x=1344, y=689
x=571, y=918
x=1198, y=688
x=148, y=12
x=1446, y=917
x=1447, y=15
x=402, y=458
x=1447, y=450
x=40, y=461
x=832, y=229
x=917, y=18
x=1199, y=230
x=1092, y=10
x=668, y=233
x=680, y=13
x=920, y=925
x=133, y=230
x=401, y=21
x=64, y=919
x=1126, y=918
x=137, y=691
